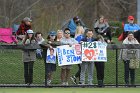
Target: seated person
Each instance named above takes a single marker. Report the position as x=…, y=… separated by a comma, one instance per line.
x=102, y=27
x=132, y=27
x=24, y=26
x=73, y=23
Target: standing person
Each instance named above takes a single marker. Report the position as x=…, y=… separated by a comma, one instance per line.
x=132, y=27
x=78, y=37
x=50, y=66
x=59, y=35
x=102, y=27
x=65, y=70
x=24, y=26
x=29, y=56
x=100, y=66
x=87, y=65
x=39, y=40
x=126, y=59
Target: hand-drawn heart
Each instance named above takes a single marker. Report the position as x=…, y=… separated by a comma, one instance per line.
x=89, y=53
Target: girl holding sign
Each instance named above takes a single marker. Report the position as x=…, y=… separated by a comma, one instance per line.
x=50, y=62
x=50, y=58
x=79, y=35
x=100, y=66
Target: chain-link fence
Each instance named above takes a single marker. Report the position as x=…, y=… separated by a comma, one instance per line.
x=12, y=70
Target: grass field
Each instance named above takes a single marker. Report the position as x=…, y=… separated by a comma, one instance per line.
x=11, y=69
x=69, y=90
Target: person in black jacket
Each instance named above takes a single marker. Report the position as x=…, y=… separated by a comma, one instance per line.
x=100, y=66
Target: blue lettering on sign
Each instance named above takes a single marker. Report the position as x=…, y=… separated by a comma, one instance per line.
x=68, y=52
x=73, y=58
x=60, y=58
x=101, y=51
x=101, y=58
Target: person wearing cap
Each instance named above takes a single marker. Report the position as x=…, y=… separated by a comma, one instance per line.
x=132, y=27
x=24, y=26
x=73, y=23
x=29, y=56
x=50, y=66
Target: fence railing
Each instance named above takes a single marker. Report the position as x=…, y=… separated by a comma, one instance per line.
x=11, y=68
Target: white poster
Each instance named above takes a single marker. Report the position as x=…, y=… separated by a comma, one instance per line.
x=51, y=55
x=69, y=55
x=94, y=51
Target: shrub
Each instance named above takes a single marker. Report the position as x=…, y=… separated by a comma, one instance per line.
x=116, y=24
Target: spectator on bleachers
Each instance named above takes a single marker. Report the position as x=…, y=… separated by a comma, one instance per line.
x=87, y=65
x=73, y=23
x=132, y=27
x=101, y=27
x=24, y=26
x=29, y=56
x=127, y=55
x=65, y=70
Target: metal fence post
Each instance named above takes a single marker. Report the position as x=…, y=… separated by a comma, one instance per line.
x=116, y=67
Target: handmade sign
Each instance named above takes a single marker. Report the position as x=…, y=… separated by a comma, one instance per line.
x=94, y=51
x=51, y=56
x=69, y=55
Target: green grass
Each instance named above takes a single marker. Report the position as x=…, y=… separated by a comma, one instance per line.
x=69, y=90
x=11, y=69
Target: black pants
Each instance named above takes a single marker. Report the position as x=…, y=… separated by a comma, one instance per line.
x=28, y=72
x=128, y=71
x=77, y=75
x=107, y=31
x=100, y=70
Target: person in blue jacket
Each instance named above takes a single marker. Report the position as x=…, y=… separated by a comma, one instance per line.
x=132, y=27
x=73, y=23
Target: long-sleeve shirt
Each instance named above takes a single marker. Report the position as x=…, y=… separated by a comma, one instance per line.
x=101, y=26
x=131, y=27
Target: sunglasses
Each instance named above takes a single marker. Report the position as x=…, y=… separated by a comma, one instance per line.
x=67, y=32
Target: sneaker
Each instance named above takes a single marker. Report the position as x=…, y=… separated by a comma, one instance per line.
x=73, y=78
x=48, y=82
x=81, y=83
